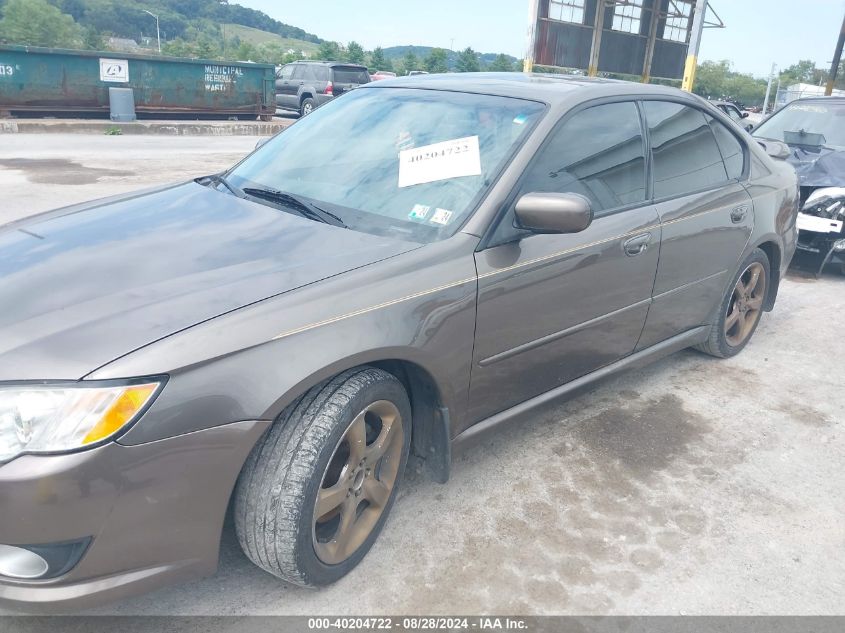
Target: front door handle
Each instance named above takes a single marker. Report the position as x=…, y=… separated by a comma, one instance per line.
x=738, y=214
x=637, y=244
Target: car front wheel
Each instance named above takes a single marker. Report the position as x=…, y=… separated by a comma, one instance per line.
x=316, y=491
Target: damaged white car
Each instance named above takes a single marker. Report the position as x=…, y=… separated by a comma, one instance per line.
x=814, y=131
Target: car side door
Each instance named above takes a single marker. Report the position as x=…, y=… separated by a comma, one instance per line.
x=698, y=166
x=554, y=307
x=286, y=89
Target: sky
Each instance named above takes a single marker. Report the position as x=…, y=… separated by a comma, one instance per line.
x=758, y=33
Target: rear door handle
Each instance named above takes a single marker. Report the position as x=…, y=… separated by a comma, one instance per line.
x=637, y=244
x=738, y=214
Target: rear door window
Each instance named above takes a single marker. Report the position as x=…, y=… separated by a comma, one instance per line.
x=350, y=75
x=733, y=152
x=309, y=72
x=685, y=156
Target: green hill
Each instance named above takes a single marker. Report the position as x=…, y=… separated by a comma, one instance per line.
x=195, y=28
x=257, y=37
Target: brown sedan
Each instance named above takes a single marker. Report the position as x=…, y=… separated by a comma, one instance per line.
x=409, y=266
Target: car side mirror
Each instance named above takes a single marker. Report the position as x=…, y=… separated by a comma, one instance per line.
x=553, y=212
x=773, y=148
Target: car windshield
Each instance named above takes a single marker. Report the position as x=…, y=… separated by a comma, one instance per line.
x=406, y=163
x=810, y=123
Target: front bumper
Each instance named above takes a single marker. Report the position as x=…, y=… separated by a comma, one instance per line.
x=153, y=512
x=818, y=247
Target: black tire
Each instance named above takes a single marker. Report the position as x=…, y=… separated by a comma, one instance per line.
x=718, y=343
x=307, y=106
x=277, y=490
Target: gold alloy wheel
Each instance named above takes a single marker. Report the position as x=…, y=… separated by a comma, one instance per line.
x=358, y=482
x=746, y=304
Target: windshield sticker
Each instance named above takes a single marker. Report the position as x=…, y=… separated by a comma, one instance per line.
x=404, y=141
x=441, y=216
x=419, y=212
x=440, y=161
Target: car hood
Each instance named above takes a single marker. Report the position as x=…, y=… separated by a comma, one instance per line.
x=818, y=166
x=84, y=285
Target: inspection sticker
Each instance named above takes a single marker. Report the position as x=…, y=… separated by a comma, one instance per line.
x=441, y=216
x=818, y=225
x=419, y=212
x=440, y=161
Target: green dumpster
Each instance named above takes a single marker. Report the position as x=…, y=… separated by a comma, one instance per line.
x=69, y=81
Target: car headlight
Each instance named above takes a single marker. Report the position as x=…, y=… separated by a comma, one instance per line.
x=49, y=418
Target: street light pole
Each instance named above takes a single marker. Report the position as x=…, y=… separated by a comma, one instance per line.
x=769, y=89
x=530, y=45
x=158, y=32
x=834, y=65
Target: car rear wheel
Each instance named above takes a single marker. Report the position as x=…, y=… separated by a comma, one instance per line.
x=741, y=308
x=307, y=106
x=317, y=489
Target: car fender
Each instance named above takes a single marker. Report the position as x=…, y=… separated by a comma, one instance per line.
x=417, y=308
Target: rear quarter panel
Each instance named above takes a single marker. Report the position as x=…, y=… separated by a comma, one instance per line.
x=773, y=186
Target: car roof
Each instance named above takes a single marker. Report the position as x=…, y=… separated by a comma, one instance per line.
x=719, y=102
x=551, y=89
x=819, y=98
x=325, y=63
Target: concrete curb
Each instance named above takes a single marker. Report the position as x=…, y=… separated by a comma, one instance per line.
x=163, y=128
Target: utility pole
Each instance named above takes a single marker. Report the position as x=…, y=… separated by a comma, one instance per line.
x=837, y=56
x=769, y=88
x=694, y=45
x=595, y=47
x=158, y=32
x=652, y=38
x=530, y=45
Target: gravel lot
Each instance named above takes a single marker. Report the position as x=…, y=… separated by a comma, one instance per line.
x=694, y=486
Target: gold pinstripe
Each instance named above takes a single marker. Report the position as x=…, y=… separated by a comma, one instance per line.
x=379, y=306
x=491, y=273
x=567, y=251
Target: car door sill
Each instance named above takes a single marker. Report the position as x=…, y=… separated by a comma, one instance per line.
x=644, y=357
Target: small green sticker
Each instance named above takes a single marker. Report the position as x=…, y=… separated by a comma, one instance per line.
x=419, y=212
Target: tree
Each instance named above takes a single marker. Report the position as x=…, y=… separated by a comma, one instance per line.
x=378, y=61
x=437, y=61
x=355, y=53
x=329, y=51
x=246, y=52
x=410, y=62
x=206, y=48
x=716, y=80
x=38, y=23
x=502, y=64
x=91, y=39
x=468, y=61
x=801, y=73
